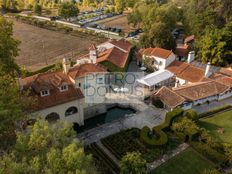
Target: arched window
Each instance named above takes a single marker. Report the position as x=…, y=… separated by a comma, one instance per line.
x=52, y=117
x=70, y=111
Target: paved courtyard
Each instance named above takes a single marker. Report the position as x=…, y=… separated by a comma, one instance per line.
x=150, y=116
x=214, y=104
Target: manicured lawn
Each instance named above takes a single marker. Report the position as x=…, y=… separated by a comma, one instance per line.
x=187, y=162
x=217, y=122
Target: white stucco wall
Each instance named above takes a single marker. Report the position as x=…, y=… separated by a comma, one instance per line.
x=61, y=109
x=187, y=106
x=181, y=81
x=204, y=100
x=225, y=95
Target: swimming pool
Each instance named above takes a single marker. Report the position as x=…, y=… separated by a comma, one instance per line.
x=111, y=115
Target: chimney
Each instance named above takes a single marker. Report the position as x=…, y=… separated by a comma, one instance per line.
x=191, y=56
x=93, y=53
x=207, y=70
x=66, y=65
x=177, y=83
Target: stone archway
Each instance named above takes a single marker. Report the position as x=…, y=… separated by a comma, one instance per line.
x=52, y=117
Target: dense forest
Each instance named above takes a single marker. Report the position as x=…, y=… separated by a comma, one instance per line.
x=209, y=20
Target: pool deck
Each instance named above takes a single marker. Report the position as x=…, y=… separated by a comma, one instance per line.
x=147, y=115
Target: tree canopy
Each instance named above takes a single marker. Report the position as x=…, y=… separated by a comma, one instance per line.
x=13, y=106
x=157, y=20
x=210, y=22
x=47, y=149
x=133, y=163
x=8, y=48
x=68, y=10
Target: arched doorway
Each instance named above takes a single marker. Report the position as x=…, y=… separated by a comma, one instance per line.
x=52, y=117
x=70, y=111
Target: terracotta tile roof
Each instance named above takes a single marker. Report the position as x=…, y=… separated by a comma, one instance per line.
x=123, y=44
x=83, y=69
x=201, y=90
x=117, y=55
x=226, y=71
x=93, y=47
x=157, y=52
x=56, y=98
x=189, y=39
x=182, y=50
x=169, y=97
x=226, y=80
x=186, y=71
x=50, y=81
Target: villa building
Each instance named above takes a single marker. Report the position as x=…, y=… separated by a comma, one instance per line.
x=160, y=58
x=193, y=94
x=55, y=97
x=61, y=95
x=114, y=52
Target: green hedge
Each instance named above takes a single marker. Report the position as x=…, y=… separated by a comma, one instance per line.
x=191, y=114
x=215, y=110
x=146, y=136
x=26, y=73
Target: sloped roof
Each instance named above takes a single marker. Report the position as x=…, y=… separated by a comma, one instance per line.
x=157, y=52
x=201, y=90
x=186, y=71
x=226, y=71
x=93, y=47
x=226, y=80
x=189, y=39
x=156, y=77
x=169, y=97
x=83, y=69
x=50, y=81
x=123, y=44
x=182, y=50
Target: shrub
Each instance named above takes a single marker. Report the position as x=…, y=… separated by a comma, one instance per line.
x=161, y=137
x=191, y=114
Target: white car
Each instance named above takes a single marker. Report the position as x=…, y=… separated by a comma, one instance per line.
x=124, y=90
x=117, y=89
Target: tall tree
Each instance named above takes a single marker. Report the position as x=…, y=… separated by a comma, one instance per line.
x=8, y=48
x=133, y=163
x=215, y=45
x=13, y=105
x=68, y=10
x=158, y=36
x=47, y=149
x=119, y=5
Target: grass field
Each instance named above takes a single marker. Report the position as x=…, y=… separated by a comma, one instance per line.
x=117, y=22
x=220, y=121
x=187, y=162
x=40, y=45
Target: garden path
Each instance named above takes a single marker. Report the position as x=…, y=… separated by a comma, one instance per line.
x=108, y=153
x=166, y=157
x=213, y=104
